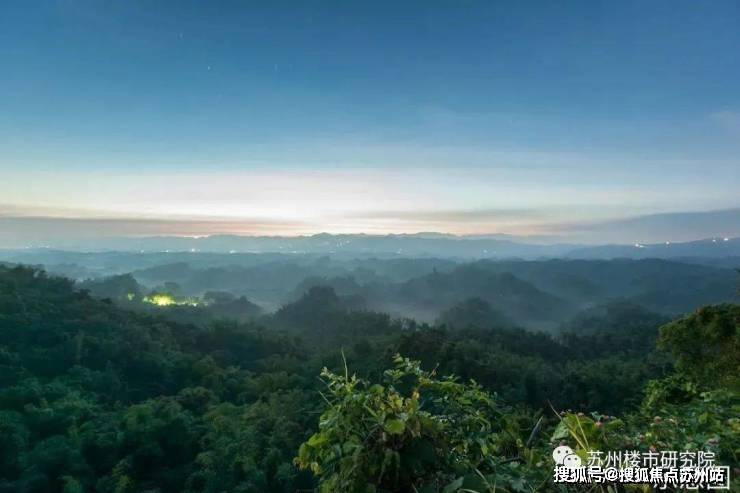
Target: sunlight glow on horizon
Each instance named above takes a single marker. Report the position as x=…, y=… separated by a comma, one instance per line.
x=291, y=202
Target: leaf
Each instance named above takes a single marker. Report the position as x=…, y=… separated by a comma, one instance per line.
x=561, y=432
x=518, y=484
x=483, y=446
x=376, y=389
x=395, y=426
x=304, y=455
x=317, y=439
x=454, y=486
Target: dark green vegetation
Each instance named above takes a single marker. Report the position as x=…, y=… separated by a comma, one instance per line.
x=541, y=294
x=415, y=431
x=125, y=396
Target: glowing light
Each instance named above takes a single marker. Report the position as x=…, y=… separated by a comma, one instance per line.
x=160, y=300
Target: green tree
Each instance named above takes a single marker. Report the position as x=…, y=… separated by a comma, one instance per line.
x=706, y=345
x=413, y=432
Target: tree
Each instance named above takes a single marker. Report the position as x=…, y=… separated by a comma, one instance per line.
x=473, y=313
x=413, y=432
x=706, y=345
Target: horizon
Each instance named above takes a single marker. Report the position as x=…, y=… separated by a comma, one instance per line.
x=593, y=123
x=46, y=231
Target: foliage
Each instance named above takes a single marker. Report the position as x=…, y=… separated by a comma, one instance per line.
x=100, y=395
x=706, y=345
x=95, y=398
x=589, y=371
x=414, y=432
x=473, y=313
x=695, y=408
x=709, y=422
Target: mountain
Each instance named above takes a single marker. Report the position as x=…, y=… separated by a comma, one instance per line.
x=473, y=313
x=528, y=292
x=150, y=251
x=129, y=234
x=617, y=327
x=664, y=286
x=515, y=298
x=709, y=248
x=659, y=228
x=616, y=317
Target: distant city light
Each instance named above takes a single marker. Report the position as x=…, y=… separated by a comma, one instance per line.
x=160, y=300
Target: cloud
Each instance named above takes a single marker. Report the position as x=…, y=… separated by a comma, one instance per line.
x=653, y=228
x=466, y=215
x=22, y=231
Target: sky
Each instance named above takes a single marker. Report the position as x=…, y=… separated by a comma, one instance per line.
x=288, y=118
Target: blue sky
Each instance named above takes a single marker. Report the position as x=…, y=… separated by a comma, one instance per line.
x=459, y=116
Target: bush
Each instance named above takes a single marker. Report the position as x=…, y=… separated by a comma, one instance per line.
x=414, y=432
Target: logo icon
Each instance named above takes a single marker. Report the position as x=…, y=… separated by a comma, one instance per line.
x=564, y=456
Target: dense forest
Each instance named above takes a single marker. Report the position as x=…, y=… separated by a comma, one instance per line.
x=110, y=386
x=539, y=294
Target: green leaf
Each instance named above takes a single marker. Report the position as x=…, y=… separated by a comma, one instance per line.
x=317, y=439
x=561, y=432
x=454, y=486
x=395, y=426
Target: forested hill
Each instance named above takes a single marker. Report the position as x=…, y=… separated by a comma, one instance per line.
x=96, y=398
x=537, y=294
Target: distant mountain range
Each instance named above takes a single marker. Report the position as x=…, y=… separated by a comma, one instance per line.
x=709, y=248
x=564, y=238
x=659, y=228
x=536, y=293
x=411, y=245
